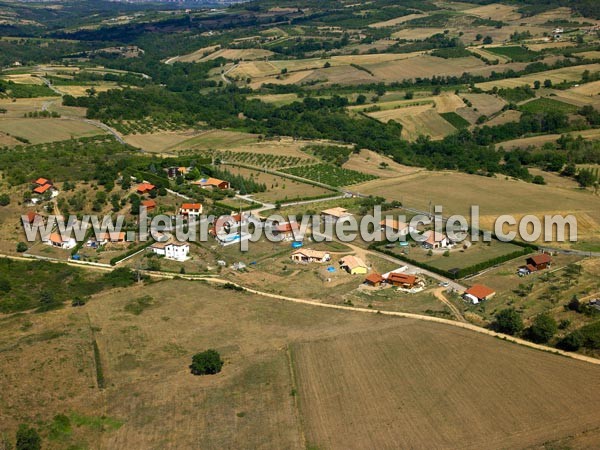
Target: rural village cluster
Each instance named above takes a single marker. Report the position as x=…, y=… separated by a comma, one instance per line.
x=170, y=236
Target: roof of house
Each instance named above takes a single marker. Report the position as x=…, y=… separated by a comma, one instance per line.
x=210, y=182
x=541, y=258
x=170, y=242
x=286, y=227
x=433, y=236
x=401, y=278
x=32, y=216
x=309, y=253
x=114, y=236
x=58, y=239
x=530, y=268
x=143, y=187
x=42, y=189
x=149, y=203
x=336, y=212
x=374, y=278
x=194, y=206
x=352, y=262
x=480, y=291
x=41, y=181
x=393, y=224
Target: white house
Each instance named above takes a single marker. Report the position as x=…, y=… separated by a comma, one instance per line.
x=308, y=255
x=191, y=210
x=434, y=240
x=171, y=249
x=56, y=240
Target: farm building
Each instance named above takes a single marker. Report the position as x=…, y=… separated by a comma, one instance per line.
x=149, y=204
x=191, y=210
x=174, y=172
x=403, y=280
x=374, y=280
x=395, y=227
x=435, y=240
x=334, y=214
x=478, y=293
x=540, y=261
x=212, y=183
x=171, y=249
x=308, y=256
x=353, y=265
x=144, y=188
x=56, y=240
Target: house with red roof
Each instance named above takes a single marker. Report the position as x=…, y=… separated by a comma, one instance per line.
x=149, y=204
x=144, y=188
x=540, y=261
x=43, y=185
x=191, y=210
x=478, y=293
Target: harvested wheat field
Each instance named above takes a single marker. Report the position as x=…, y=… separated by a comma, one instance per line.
x=215, y=139
x=483, y=105
x=47, y=130
x=505, y=117
x=290, y=78
x=159, y=142
x=82, y=90
x=448, y=102
x=21, y=106
x=423, y=386
x=594, y=54
x=495, y=11
x=23, y=78
x=457, y=192
x=195, y=56
x=424, y=66
x=238, y=54
x=373, y=163
x=538, y=141
x=556, y=76
x=353, y=372
x=417, y=121
x=416, y=34
x=397, y=21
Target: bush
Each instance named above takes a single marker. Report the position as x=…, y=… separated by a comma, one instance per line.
x=28, y=438
x=508, y=321
x=4, y=199
x=571, y=342
x=208, y=362
x=543, y=329
x=22, y=247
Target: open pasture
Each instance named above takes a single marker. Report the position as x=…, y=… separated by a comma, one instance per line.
x=495, y=11
x=213, y=139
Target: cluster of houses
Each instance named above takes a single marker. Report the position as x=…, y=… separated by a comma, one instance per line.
x=43, y=187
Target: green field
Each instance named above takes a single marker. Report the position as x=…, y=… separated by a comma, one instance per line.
x=545, y=104
x=455, y=120
x=330, y=175
x=516, y=53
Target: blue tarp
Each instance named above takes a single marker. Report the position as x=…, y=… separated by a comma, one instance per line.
x=331, y=269
x=296, y=244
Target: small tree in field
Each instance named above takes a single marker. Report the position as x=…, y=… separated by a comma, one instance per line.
x=28, y=438
x=208, y=362
x=508, y=321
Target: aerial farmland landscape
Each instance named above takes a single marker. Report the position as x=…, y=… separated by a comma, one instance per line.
x=299, y=224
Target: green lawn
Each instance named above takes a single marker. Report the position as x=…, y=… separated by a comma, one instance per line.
x=459, y=259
